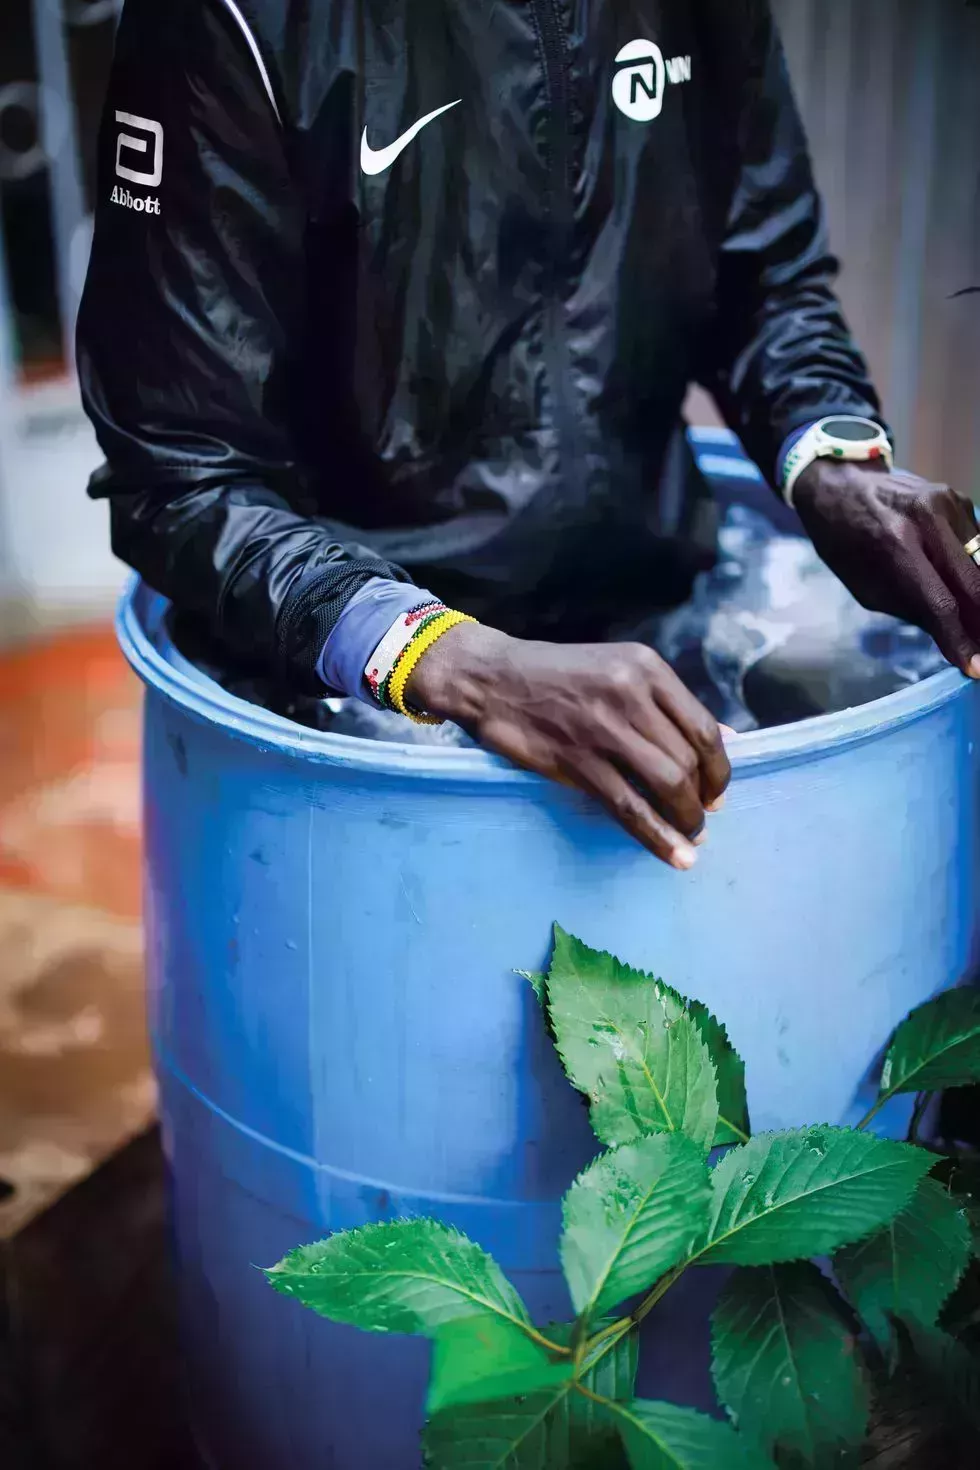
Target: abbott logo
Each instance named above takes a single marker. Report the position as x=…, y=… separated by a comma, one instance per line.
x=638, y=86
x=148, y=177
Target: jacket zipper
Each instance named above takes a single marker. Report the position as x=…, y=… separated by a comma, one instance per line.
x=561, y=209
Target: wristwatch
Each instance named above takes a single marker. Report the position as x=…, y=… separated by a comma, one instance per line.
x=835, y=438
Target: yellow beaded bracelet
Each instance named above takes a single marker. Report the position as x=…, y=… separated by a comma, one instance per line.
x=416, y=650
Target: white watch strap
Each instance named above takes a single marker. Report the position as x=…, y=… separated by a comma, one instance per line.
x=816, y=443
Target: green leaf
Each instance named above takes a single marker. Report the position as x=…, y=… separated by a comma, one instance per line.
x=543, y=1425
x=532, y=1432
x=785, y=1363
x=480, y=1359
x=950, y=1372
x=665, y=1437
x=408, y=1276
x=733, y=1107
x=612, y=1377
x=537, y=982
x=635, y=1212
x=961, y=1180
x=625, y=1044
x=788, y=1196
x=611, y=1372
x=909, y=1268
x=937, y=1046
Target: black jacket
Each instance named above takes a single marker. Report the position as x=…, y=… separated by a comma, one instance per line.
x=472, y=363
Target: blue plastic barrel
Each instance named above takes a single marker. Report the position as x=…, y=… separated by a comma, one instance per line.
x=333, y=928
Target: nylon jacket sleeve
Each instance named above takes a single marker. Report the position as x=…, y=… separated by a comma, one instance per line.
x=781, y=354
x=189, y=334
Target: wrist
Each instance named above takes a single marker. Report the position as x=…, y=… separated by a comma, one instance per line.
x=452, y=679
x=837, y=439
x=829, y=477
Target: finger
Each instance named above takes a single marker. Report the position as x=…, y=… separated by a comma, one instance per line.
x=699, y=728
x=669, y=780
x=962, y=517
x=940, y=616
x=727, y=733
x=660, y=730
x=958, y=571
x=626, y=806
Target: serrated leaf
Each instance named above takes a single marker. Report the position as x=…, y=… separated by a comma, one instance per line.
x=631, y=1215
x=909, y=1268
x=534, y=1432
x=612, y=1377
x=785, y=1364
x=609, y=1367
x=623, y=1043
x=480, y=1359
x=537, y=982
x=407, y=1276
x=733, y=1106
x=806, y=1192
x=665, y=1437
x=937, y=1046
x=733, y=1121
x=544, y=1426
x=961, y=1180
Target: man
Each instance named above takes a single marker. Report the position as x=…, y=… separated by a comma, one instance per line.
x=396, y=301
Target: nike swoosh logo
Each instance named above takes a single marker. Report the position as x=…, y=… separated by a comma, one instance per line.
x=376, y=163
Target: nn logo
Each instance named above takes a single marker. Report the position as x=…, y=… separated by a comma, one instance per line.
x=642, y=75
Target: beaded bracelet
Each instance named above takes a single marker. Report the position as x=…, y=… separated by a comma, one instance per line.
x=383, y=661
x=383, y=691
x=419, y=646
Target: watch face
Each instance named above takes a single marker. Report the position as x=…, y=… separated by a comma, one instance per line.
x=857, y=431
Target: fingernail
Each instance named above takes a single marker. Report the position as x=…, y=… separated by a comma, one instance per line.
x=715, y=806
x=973, y=667
x=684, y=857
x=699, y=841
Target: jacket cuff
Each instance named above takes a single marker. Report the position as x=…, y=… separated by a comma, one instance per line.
x=367, y=617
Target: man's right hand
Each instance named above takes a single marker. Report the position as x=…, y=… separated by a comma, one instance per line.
x=612, y=719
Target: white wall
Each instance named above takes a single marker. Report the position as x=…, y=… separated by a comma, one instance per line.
x=54, y=541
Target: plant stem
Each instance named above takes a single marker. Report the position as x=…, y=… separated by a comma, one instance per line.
x=541, y=1340
x=615, y=1329
x=660, y=1290
x=742, y=1136
x=595, y=1397
x=606, y=1340
x=872, y=1113
x=552, y=1347
x=921, y=1104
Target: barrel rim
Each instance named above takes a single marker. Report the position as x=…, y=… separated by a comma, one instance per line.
x=140, y=630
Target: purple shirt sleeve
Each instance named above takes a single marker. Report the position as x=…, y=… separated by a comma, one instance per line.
x=789, y=444
x=365, y=620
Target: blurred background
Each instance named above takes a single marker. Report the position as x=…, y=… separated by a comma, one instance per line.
x=888, y=89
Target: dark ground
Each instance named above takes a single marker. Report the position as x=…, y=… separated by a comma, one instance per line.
x=89, y=1364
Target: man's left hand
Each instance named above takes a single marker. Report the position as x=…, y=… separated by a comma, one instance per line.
x=896, y=542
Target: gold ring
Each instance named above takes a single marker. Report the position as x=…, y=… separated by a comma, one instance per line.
x=972, y=547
